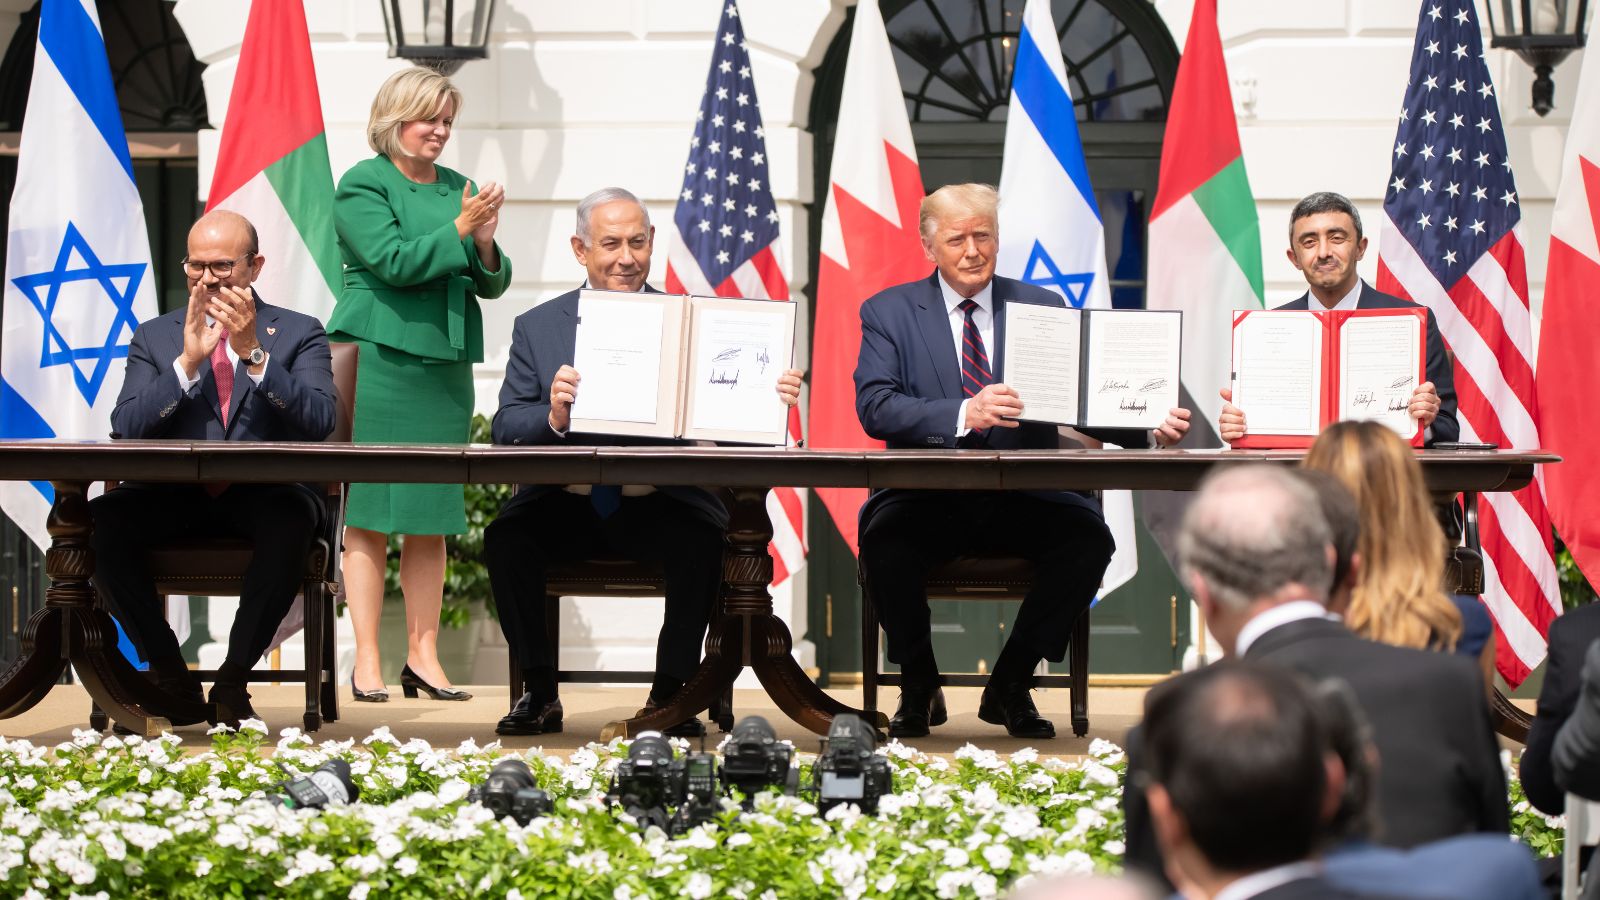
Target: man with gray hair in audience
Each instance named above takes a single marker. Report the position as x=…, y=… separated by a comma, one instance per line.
x=1257, y=554
x=680, y=527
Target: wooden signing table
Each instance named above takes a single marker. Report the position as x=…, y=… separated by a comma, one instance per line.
x=72, y=628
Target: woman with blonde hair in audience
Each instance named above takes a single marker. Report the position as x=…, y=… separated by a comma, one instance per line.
x=1399, y=596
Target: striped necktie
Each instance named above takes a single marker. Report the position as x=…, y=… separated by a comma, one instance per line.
x=975, y=368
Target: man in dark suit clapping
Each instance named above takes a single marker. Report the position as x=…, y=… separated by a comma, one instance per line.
x=931, y=377
x=681, y=527
x=227, y=367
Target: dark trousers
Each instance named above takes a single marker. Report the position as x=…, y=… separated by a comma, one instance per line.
x=531, y=534
x=903, y=540
x=279, y=521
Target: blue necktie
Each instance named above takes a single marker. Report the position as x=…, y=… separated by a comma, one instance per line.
x=605, y=498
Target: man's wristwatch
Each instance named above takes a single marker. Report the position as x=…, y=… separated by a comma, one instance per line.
x=256, y=357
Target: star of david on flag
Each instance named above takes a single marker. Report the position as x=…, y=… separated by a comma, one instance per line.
x=77, y=274
x=1043, y=271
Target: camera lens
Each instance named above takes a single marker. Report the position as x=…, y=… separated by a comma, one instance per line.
x=650, y=748
x=848, y=734
x=506, y=778
x=752, y=731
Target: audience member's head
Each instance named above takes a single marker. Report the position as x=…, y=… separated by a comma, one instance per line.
x=1240, y=778
x=1350, y=739
x=1399, y=595
x=1253, y=538
x=1344, y=527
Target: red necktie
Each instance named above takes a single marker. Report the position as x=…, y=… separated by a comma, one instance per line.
x=222, y=370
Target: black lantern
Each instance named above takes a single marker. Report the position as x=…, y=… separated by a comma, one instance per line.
x=1542, y=32
x=439, y=34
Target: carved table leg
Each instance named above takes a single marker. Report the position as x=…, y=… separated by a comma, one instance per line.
x=91, y=642
x=42, y=661
x=748, y=634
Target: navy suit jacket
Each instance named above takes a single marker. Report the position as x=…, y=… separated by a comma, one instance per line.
x=908, y=385
x=1440, y=370
x=1571, y=634
x=543, y=340
x=294, y=402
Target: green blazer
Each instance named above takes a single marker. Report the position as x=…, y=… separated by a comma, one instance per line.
x=409, y=282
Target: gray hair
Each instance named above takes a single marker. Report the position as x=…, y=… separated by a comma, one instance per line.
x=594, y=201
x=1252, y=530
x=1324, y=202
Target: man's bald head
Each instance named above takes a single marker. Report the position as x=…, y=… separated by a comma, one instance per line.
x=227, y=225
x=223, y=250
x=1254, y=530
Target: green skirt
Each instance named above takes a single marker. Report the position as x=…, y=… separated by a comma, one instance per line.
x=405, y=399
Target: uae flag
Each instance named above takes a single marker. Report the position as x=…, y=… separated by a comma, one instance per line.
x=1205, y=239
x=1569, y=333
x=869, y=241
x=272, y=167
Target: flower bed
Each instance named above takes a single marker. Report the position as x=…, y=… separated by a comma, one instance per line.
x=122, y=817
x=141, y=818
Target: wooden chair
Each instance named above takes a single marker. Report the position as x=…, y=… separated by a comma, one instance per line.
x=215, y=567
x=978, y=578
x=603, y=578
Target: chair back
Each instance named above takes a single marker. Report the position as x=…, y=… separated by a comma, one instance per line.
x=345, y=359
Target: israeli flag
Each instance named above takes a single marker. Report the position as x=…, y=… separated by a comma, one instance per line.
x=78, y=277
x=1051, y=234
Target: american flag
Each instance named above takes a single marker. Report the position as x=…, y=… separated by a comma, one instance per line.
x=1456, y=245
x=725, y=242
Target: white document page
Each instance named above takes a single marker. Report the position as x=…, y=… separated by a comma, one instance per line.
x=1133, y=367
x=1041, y=360
x=618, y=358
x=1277, y=372
x=1379, y=358
x=738, y=355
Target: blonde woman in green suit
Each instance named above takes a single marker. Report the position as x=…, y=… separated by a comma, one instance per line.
x=417, y=240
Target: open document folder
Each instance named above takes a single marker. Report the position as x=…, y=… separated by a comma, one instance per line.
x=671, y=366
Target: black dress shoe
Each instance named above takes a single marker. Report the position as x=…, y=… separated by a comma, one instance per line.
x=411, y=682
x=187, y=689
x=230, y=705
x=381, y=695
x=689, y=728
x=531, y=717
x=919, y=710
x=1011, y=705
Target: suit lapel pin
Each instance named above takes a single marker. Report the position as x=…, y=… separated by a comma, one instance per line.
x=271, y=330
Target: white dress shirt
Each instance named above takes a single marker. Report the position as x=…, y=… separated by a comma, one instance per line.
x=1283, y=614
x=187, y=384
x=1258, y=883
x=983, y=317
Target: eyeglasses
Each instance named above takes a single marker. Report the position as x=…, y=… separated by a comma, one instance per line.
x=220, y=268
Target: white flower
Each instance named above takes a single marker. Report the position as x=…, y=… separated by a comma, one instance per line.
x=956, y=858
x=998, y=856
x=513, y=894
x=202, y=868
x=699, y=886
x=1114, y=847
x=405, y=866
x=359, y=892
x=256, y=725
x=739, y=839
x=986, y=886
x=1099, y=774
x=1025, y=755
x=885, y=884
x=390, y=846
x=622, y=892
x=949, y=884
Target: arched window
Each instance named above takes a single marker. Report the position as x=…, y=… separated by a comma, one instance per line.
x=954, y=59
x=163, y=106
